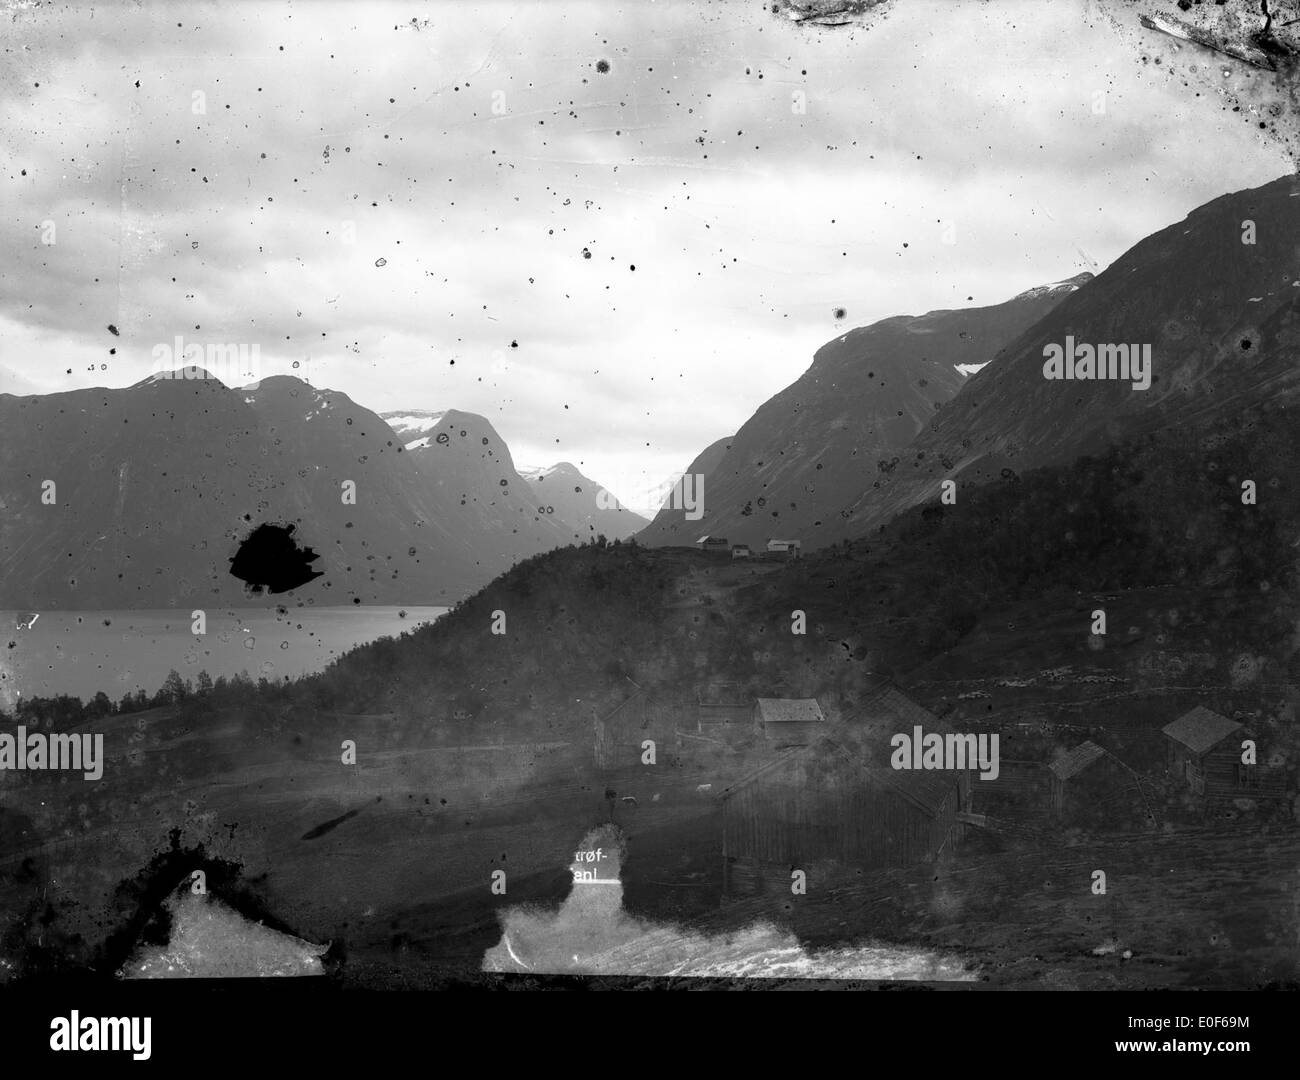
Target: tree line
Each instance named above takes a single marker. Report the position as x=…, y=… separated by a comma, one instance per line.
x=65, y=710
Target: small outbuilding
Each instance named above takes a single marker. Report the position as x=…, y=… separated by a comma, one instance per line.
x=713, y=543
x=886, y=703
x=832, y=802
x=722, y=710
x=789, y=721
x=1090, y=787
x=886, y=710
x=741, y=551
x=789, y=548
x=1205, y=750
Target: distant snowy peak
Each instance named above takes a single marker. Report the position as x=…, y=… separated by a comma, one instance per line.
x=318, y=404
x=412, y=423
x=534, y=473
x=414, y=426
x=587, y=507
x=286, y=395
x=188, y=373
x=1069, y=285
x=1053, y=288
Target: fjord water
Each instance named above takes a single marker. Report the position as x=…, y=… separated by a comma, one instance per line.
x=81, y=652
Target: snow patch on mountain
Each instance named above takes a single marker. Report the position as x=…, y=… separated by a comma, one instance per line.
x=535, y=473
x=413, y=423
x=1069, y=285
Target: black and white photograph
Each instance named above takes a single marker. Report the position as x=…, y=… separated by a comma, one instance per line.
x=650, y=495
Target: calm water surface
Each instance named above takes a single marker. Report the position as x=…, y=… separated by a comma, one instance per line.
x=80, y=652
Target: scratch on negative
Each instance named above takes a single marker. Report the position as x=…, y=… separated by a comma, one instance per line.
x=505, y=940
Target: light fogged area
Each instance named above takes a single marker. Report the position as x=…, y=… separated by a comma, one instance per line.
x=209, y=941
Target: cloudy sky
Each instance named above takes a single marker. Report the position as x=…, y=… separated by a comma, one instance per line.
x=613, y=229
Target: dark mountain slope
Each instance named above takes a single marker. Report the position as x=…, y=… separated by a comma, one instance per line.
x=466, y=467
x=578, y=503
x=1222, y=318
x=158, y=484
x=808, y=453
x=588, y=626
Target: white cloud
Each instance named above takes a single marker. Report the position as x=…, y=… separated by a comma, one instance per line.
x=228, y=225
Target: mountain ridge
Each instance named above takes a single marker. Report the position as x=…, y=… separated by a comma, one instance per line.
x=809, y=450
x=156, y=485
x=1189, y=290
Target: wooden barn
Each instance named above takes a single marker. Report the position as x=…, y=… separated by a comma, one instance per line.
x=1022, y=785
x=788, y=548
x=723, y=708
x=619, y=735
x=721, y=717
x=716, y=544
x=1092, y=788
x=887, y=704
x=789, y=721
x=1205, y=751
x=831, y=802
x=886, y=710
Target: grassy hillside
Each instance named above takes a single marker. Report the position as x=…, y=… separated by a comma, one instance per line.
x=585, y=626
x=981, y=609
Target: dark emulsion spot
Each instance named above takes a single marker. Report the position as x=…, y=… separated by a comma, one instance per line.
x=270, y=559
x=327, y=826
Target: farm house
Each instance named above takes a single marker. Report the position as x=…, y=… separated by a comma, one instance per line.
x=619, y=735
x=789, y=721
x=832, y=802
x=1091, y=787
x=722, y=711
x=886, y=710
x=888, y=704
x=1205, y=750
